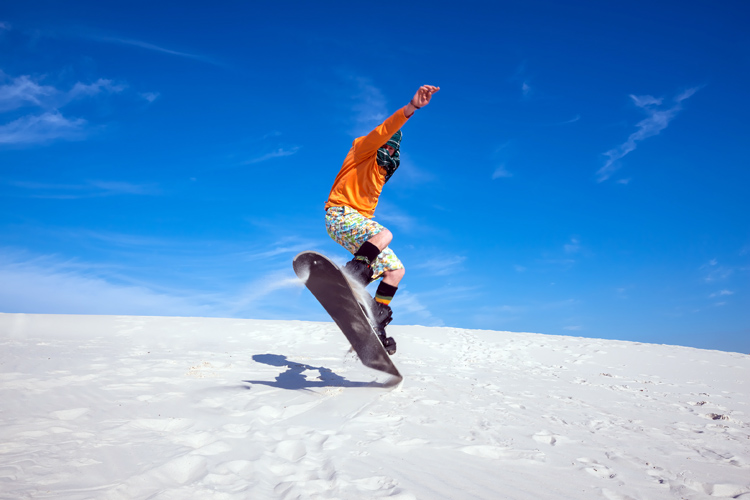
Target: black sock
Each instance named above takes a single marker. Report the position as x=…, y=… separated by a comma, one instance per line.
x=385, y=293
x=367, y=252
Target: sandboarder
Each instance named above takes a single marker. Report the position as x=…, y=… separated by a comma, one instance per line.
x=350, y=208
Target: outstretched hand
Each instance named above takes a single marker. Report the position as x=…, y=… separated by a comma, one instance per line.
x=423, y=95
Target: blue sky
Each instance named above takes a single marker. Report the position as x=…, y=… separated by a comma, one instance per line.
x=583, y=170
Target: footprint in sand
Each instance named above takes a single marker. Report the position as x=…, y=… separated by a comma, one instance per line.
x=300, y=467
x=596, y=469
x=545, y=437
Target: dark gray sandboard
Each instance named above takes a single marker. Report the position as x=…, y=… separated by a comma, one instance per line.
x=329, y=285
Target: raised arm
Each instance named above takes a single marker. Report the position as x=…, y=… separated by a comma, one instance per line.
x=375, y=139
x=420, y=99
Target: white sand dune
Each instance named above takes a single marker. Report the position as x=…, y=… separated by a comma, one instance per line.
x=191, y=408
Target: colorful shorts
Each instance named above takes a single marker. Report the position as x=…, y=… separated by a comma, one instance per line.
x=350, y=229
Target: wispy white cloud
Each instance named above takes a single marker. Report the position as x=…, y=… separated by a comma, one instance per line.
x=441, y=265
x=46, y=123
x=369, y=105
x=87, y=90
x=575, y=119
x=716, y=272
x=570, y=121
x=118, y=187
x=180, y=279
x=412, y=174
x=658, y=118
x=49, y=285
x=573, y=328
x=559, y=123
x=500, y=154
x=721, y=293
x=279, y=153
x=90, y=189
x=42, y=128
x=502, y=313
x=574, y=246
x=247, y=299
x=150, y=96
x=116, y=240
x=522, y=79
x=23, y=91
x=278, y=248
x=4, y=26
x=501, y=173
x=411, y=310
x=153, y=47
x=391, y=215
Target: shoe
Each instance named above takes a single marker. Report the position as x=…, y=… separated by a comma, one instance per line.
x=382, y=314
x=388, y=342
x=359, y=270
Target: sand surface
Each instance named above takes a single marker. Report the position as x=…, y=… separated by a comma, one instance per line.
x=122, y=407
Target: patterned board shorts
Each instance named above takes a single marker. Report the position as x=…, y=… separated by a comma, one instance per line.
x=350, y=229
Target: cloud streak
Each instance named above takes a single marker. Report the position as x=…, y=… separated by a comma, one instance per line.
x=442, y=265
x=279, y=153
x=501, y=173
x=370, y=105
x=47, y=123
x=391, y=215
x=90, y=189
x=716, y=272
x=153, y=47
x=42, y=128
x=43, y=285
x=203, y=282
x=658, y=118
x=22, y=91
x=573, y=247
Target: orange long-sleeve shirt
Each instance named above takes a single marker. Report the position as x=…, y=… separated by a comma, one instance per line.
x=361, y=179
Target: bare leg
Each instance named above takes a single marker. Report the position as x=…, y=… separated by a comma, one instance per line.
x=393, y=277
x=382, y=239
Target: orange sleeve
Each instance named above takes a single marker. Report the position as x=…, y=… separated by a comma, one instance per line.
x=380, y=135
x=360, y=181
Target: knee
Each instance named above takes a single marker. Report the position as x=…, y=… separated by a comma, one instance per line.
x=395, y=275
x=382, y=239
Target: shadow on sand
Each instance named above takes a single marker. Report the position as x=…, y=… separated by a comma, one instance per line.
x=293, y=378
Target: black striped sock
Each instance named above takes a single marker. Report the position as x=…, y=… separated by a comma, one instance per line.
x=385, y=293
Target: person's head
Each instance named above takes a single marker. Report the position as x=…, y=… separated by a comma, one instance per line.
x=394, y=143
x=389, y=155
